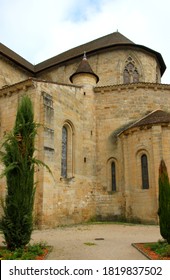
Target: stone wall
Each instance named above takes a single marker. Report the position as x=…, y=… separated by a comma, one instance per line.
x=109, y=67
x=58, y=200
x=94, y=117
x=115, y=108
x=10, y=73
x=65, y=200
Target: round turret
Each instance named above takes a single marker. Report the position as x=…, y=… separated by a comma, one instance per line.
x=84, y=74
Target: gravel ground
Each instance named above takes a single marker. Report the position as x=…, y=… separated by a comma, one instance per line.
x=97, y=241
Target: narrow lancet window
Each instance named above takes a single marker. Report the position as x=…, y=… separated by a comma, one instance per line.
x=113, y=176
x=64, y=153
x=145, y=173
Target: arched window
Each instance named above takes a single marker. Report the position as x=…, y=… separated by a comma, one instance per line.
x=145, y=173
x=113, y=176
x=67, y=150
x=130, y=74
x=126, y=77
x=64, y=152
x=135, y=76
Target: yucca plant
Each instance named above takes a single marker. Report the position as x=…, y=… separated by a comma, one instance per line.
x=18, y=159
x=164, y=202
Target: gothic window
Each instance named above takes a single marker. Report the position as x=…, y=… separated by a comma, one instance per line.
x=145, y=173
x=130, y=73
x=113, y=176
x=135, y=76
x=64, y=152
x=126, y=77
x=67, y=150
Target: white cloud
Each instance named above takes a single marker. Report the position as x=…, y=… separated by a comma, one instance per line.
x=40, y=29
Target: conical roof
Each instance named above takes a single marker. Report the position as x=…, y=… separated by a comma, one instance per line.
x=84, y=67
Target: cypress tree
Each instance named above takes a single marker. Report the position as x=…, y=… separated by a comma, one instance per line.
x=164, y=202
x=17, y=221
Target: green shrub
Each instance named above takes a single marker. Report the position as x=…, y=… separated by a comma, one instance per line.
x=17, y=221
x=164, y=202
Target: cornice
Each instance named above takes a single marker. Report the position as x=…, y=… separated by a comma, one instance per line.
x=132, y=86
x=30, y=82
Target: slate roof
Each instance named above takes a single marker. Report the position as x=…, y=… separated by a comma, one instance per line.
x=113, y=40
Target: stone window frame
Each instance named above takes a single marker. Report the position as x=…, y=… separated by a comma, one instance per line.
x=144, y=171
x=139, y=155
x=130, y=71
x=110, y=163
x=113, y=176
x=67, y=163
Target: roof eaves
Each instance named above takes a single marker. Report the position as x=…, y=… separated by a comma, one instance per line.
x=139, y=123
x=17, y=59
x=78, y=51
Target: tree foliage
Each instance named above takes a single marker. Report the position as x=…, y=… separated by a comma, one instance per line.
x=164, y=202
x=17, y=157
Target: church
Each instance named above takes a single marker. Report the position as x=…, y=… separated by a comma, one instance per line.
x=105, y=126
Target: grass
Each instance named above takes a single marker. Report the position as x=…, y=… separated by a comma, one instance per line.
x=162, y=248
x=36, y=251
x=89, y=243
x=154, y=250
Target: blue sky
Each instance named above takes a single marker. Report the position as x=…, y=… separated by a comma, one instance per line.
x=40, y=29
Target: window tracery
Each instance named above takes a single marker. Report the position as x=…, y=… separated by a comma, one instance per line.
x=130, y=74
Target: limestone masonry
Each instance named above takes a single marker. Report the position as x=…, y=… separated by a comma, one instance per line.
x=105, y=128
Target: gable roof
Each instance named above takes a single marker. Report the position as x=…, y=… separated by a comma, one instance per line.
x=113, y=40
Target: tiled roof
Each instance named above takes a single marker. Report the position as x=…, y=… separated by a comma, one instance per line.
x=155, y=117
